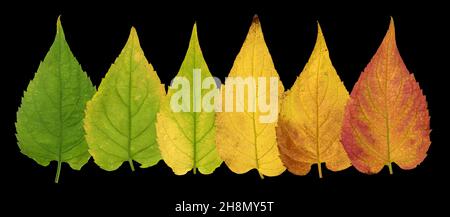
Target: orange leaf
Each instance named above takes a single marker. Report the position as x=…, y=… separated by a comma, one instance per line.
x=386, y=119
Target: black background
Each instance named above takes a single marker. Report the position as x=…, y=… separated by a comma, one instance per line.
x=96, y=35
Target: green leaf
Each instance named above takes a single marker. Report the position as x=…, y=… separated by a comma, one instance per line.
x=49, y=121
x=187, y=139
x=120, y=118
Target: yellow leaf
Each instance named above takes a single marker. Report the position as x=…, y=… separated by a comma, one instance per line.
x=311, y=116
x=243, y=139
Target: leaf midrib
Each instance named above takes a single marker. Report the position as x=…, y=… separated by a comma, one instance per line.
x=389, y=163
x=255, y=136
x=194, y=117
x=130, y=160
x=319, y=166
x=61, y=132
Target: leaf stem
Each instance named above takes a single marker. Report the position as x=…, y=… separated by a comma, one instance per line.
x=131, y=164
x=390, y=168
x=319, y=166
x=58, y=172
x=260, y=175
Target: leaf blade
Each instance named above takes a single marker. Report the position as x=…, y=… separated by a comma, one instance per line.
x=311, y=115
x=378, y=128
x=120, y=118
x=187, y=139
x=242, y=141
x=49, y=120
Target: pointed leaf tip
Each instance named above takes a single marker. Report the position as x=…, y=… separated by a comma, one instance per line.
x=320, y=45
x=193, y=41
x=391, y=24
x=255, y=19
x=58, y=24
x=255, y=25
x=389, y=38
x=194, y=29
x=319, y=30
x=133, y=35
x=133, y=31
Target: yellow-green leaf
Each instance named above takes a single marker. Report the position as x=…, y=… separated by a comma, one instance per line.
x=187, y=138
x=120, y=118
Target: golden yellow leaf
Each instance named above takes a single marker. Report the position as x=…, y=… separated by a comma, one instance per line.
x=244, y=140
x=309, y=124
